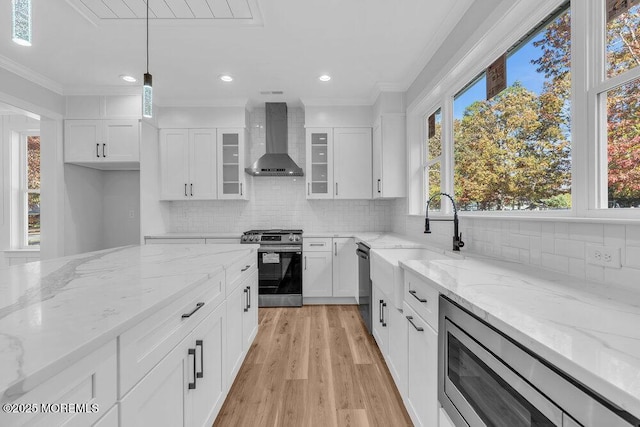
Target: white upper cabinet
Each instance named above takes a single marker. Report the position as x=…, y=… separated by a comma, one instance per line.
x=103, y=144
x=389, y=161
x=338, y=163
x=188, y=164
x=232, y=183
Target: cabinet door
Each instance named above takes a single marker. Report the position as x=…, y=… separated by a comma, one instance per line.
x=174, y=164
x=208, y=341
x=345, y=267
x=422, y=363
x=231, y=182
x=250, y=319
x=377, y=160
x=202, y=164
x=352, y=163
x=82, y=141
x=319, y=174
x=121, y=141
x=397, y=353
x=236, y=306
x=159, y=399
x=393, y=162
x=317, y=275
x=380, y=307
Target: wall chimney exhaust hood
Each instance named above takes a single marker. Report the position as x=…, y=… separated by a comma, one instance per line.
x=276, y=162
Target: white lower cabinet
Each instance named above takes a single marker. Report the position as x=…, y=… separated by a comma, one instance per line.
x=110, y=419
x=380, y=325
x=242, y=322
x=444, y=420
x=396, y=356
x=188, y=387
x=345, y=267
x=422, y=364
x=317, y=274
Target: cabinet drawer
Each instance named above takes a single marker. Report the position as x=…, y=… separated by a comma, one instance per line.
x=144, y=345
x=91, y=381
x=239, y=271
x=422, y=298
x=316, y=244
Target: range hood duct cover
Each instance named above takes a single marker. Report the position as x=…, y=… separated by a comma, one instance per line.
x=276, y=162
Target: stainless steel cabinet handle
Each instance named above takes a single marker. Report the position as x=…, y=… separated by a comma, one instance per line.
x=335, y=248
x=97, y=148
x=305, y=262
x=249, y=294
x=417, y=297
x=308, y=188
x=336, y=188
x=201, y=373
x=378, y=186
x=185, y=190
x=198, y=307
x=103, y=147
x=192, y=352
x=418, y=328
x=246, y=300
x=191, y=190
x=246, y=267
x=241, y=189
x=316, y=244
x=380, y=311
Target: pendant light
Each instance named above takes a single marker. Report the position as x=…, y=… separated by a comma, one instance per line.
x=147, y=89
x=21, y=21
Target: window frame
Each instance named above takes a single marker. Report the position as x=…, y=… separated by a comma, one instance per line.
x=494, y=38
x=426, y=162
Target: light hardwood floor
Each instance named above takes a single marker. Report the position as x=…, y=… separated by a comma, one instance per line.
x=313, y=366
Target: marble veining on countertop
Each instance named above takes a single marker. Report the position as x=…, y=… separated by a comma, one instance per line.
x=54, y=312
x=590, y=331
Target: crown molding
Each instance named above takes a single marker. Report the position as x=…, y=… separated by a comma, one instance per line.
x=30, y=75
x=386, y=87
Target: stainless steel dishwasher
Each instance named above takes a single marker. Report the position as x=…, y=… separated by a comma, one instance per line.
x=364, y=284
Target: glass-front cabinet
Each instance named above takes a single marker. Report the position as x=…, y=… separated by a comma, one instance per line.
x=319, y=175
x=231, y=155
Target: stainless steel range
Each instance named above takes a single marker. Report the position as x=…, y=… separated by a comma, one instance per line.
x=279, y=266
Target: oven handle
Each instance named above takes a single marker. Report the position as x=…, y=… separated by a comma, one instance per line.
x=297, y=249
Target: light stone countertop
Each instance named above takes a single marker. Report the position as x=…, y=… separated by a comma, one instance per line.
x=54, y=312
x=590, y=331
x=195, y=236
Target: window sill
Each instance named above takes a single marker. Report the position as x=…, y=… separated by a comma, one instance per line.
x=21, y=252
x=500, y=216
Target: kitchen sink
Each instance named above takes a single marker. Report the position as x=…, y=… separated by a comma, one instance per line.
x=386, y=273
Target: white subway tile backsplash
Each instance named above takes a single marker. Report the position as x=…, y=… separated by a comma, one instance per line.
x=594, y=273
x=577, y=268
x=593, y=233
x=633, y=234
x=519, y=241
x=632, y=258
x=555, y=262
x=561, y=230
x=570, y=248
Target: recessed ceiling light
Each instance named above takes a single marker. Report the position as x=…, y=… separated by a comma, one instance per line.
x=128, y=79
x=324, y=78
x=226, y=78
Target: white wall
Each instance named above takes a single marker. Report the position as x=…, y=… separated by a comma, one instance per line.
x=154, y=215
x=83, y=209
x=200, y=117
x=280, y=201
x=338, y=116
x=121, y=208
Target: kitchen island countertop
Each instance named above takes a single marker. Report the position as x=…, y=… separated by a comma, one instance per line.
x=54, y=312
x=590, y=331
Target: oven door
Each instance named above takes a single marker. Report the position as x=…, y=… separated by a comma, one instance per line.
x=478, y=389
x=280, y=270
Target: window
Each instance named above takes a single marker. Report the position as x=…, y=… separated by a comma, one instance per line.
x=512, y=152
x=31, y=191
x=433, y=158
x=619, y=100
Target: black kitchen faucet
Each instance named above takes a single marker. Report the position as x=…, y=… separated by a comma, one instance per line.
x=457, y=237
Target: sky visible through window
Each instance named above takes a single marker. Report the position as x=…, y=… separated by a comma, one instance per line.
x=519, y=68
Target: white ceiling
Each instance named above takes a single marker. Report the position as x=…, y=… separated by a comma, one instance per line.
x=266, y=45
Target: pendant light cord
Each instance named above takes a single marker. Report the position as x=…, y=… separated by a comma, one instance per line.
x=147, y=36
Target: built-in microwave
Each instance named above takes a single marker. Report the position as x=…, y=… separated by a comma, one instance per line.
x=487, y=379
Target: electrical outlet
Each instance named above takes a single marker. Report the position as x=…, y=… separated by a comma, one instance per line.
x=132, y=214
x=606, y=256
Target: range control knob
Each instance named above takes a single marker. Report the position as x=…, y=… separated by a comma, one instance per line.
x=291, y=237
x=297, y=238
x=251, y=238
x=244, y=238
